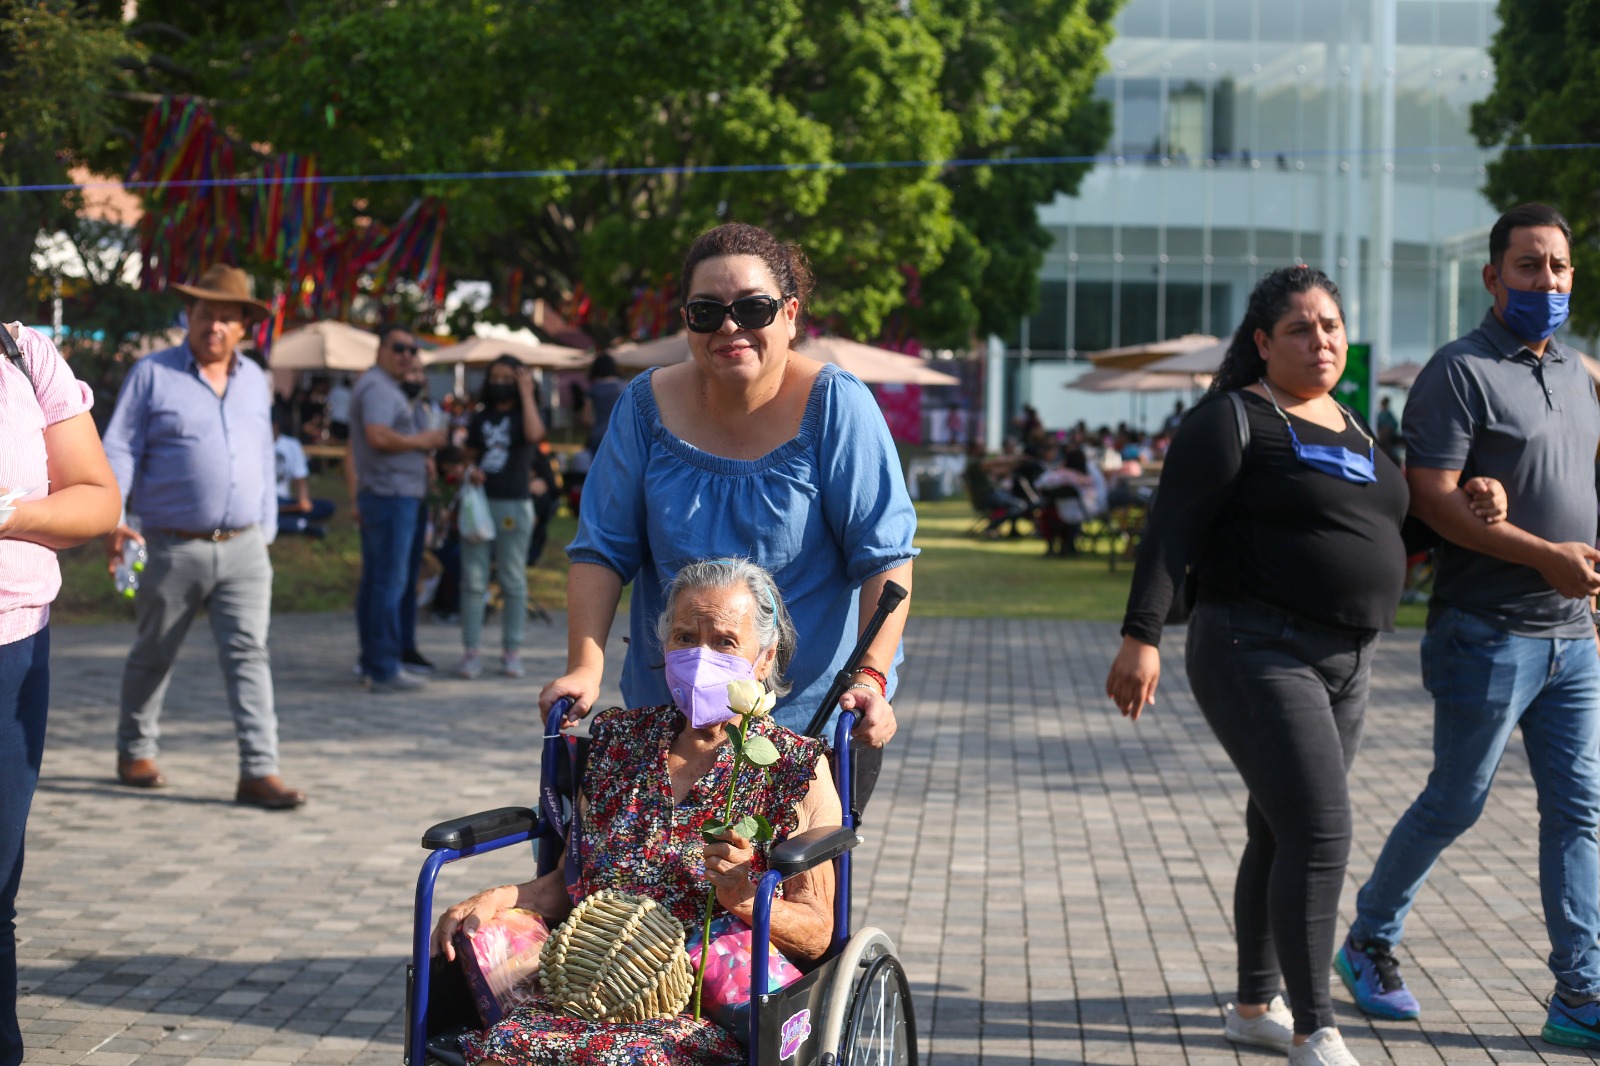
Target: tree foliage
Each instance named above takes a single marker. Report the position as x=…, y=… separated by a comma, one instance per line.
x=665, y=100
x=1547, y=92
x=62, y=67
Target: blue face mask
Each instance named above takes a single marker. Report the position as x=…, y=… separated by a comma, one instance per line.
x=1331, y=459
x=1533, y=316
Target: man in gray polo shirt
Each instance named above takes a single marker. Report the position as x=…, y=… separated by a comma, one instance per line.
x=1510, y=641
x=391, y=457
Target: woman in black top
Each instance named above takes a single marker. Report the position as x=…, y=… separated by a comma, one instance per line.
x=500, y=442
x=1288, y=529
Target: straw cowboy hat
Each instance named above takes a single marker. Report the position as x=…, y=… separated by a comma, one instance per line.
x=227, y=284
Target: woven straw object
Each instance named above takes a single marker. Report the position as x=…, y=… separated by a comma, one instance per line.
x=617, y=958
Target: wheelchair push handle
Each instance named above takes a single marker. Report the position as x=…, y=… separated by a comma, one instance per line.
x=888, y=600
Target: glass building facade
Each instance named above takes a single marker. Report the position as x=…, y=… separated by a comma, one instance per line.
x=1252, y=134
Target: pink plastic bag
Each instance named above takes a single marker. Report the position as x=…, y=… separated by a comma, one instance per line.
x=726, y=998
x=501, y=962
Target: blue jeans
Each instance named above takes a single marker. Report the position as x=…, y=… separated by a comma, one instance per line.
x=1484, y=684
x=388, y=525
x=408, y=601
x=24, y=702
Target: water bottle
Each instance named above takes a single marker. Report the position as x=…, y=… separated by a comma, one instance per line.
x=126, y=578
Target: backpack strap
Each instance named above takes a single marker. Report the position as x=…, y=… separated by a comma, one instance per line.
x=8, y=344
x=1241, y=420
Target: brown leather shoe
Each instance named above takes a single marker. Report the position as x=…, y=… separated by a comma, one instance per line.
x=140, y=773
x=269, y=792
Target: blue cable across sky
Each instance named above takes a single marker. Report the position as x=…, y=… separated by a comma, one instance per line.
x=769, y=168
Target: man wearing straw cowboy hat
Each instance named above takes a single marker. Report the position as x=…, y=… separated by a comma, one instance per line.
x=191, y=445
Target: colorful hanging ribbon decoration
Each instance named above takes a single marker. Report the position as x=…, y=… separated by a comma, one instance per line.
x=189, y=224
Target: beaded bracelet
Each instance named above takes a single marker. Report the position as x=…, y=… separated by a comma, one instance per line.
x=883, y=682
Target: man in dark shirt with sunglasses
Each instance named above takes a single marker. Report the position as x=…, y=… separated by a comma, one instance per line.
x=1510, y=642
x=390, y=449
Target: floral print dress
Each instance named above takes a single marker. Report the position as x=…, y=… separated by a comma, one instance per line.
x=635, y=839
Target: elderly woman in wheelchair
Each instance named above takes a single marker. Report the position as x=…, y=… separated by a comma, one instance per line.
x=654, y=777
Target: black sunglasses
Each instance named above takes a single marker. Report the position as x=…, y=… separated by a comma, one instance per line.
x=749, y=312
x=404, y=349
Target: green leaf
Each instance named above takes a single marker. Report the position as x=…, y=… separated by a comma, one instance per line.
x=763, y=828
x=759, y=751
x=712, y=830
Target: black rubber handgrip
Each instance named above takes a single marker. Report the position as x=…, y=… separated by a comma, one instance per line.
x=890, y=598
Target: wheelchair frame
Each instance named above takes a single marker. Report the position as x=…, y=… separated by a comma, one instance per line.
x=785, y=1014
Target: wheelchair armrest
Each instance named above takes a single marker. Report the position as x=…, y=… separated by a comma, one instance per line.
x=481, y=828
x=812, y=848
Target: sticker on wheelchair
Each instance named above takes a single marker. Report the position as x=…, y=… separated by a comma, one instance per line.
x=795, y=1031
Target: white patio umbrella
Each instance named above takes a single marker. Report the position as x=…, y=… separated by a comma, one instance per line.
x=1135, y=356
x=481, y=351
x=1136, y=381
x=326, y=345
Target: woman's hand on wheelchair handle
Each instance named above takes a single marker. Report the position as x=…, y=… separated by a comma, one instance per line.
x=875, y=721
x=728, y=870
x=578, y=687
x=469, y=915
x=1135, y=672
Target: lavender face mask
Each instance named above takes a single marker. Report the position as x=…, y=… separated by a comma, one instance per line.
x=698, y=680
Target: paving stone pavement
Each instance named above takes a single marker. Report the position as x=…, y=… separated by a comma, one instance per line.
x=1058, y=880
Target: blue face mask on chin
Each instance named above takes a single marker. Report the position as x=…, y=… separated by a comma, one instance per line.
x=1533, y=316
x=1331, y=459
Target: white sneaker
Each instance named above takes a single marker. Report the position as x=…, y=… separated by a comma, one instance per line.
x=1273, y=1030
x=470, y=666
x=511, y=664
x=1325, y=1047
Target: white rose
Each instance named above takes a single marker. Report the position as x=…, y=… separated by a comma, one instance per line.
x=749, y=698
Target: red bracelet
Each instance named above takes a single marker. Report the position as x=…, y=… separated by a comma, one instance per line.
x=883, y=682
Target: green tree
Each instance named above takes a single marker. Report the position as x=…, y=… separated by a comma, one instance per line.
x=1547, y=91
x=62, y=68
x=440, y=86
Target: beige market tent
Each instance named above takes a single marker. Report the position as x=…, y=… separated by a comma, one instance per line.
x=326, y=345
x=876, y=366
x=480, y=351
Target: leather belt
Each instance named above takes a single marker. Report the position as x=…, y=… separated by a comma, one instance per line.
x=214, y=535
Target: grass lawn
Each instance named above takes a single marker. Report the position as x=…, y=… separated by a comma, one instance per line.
x=957, y=575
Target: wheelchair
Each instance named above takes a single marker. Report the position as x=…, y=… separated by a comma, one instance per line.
x=853, y=1008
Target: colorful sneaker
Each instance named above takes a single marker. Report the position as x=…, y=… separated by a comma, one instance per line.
x=1325, y=1047
x=1273, y=1030
x=1572, y=1026
x=470, y=666
x=1372, y=975
x=511, y=664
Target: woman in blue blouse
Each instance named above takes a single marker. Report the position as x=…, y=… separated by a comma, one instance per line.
x=749, y=449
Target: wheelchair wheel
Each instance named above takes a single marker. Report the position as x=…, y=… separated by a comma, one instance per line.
x=867, y=1017
x=882, y=1031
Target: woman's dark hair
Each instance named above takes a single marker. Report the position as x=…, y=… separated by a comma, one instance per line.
x=604, y=366
x=789, y=266
x=1269, y=302
x=500, y=360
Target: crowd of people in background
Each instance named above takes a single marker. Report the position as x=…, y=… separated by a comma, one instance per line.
x=1061, y=481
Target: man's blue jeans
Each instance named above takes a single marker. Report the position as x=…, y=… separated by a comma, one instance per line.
x=1484, y=684
x=388, y=524
x=24, y=701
